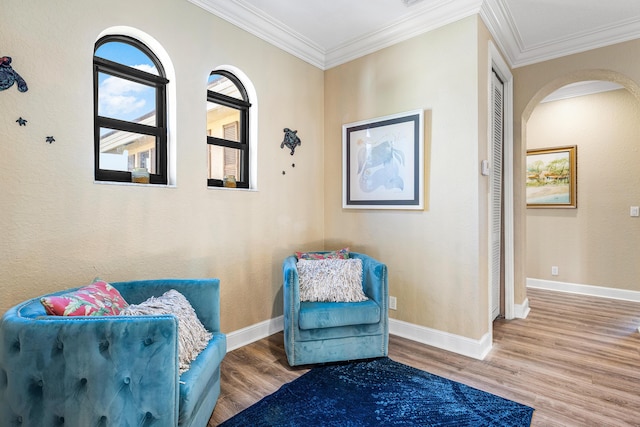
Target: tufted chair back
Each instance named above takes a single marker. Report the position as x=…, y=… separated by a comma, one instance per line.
x=105, y=371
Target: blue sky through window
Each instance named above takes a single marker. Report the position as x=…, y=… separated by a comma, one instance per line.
x=121, y=98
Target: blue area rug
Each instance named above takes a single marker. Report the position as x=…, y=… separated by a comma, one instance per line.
x=379, y=392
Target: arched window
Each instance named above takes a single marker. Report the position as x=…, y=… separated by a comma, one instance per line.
x=130, y=110
x=227, y=130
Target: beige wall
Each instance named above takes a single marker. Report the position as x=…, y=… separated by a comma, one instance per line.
x=532, y=83
x=434, y=256
x=59, y=229
x=595, y=244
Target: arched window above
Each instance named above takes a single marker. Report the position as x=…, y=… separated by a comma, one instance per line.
x=227, y=131
x=130, y=110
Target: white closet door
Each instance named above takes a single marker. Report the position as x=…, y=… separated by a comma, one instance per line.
x=496, y=192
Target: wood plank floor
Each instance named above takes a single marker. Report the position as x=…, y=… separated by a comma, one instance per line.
x=575, y=359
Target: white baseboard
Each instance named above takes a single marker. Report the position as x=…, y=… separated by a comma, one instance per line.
x=574, y=288
x=476, y=349
x=244, y=336
x=521, y=311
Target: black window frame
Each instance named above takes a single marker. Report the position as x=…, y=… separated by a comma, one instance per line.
x=159, y=131
x=243, y=106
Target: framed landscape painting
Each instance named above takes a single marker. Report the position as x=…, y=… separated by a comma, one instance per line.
x=383, y=162
x=551, y=180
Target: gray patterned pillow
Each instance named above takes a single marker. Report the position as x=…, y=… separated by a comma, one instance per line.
x=331, y=280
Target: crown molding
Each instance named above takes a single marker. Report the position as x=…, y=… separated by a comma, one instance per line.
x=425, y=19
x=581, y=42
x=497, y=18
x=254, y=21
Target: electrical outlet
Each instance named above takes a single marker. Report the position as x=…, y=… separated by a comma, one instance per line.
x=393, y=303
x=634, y=211
x=554, y=270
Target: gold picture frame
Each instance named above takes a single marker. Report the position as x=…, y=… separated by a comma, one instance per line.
x=551, y=177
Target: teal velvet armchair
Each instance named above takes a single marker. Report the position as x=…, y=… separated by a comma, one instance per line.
x=321, y=332
x=109, y=371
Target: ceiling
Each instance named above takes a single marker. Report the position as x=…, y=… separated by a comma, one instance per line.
x=327, y=33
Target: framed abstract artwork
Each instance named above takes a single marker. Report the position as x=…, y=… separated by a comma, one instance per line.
x=383, y=162
x=551, y=180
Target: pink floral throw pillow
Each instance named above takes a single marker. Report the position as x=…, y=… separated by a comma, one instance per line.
x=97, y=299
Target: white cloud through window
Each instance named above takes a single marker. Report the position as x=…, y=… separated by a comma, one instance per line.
x=124, y=99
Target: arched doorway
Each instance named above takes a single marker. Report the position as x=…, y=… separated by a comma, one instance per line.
x=607, y=142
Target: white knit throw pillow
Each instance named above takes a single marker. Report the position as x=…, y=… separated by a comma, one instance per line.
x=331, y=280
x=192, y=335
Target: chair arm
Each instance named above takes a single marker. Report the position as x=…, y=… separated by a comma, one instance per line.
x=111, y=370
x=375, y=281
x=291, y=291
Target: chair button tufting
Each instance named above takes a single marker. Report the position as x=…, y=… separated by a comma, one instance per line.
x=148, y=341
x=19, y=419
x=83, y=382
x=127, y=380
